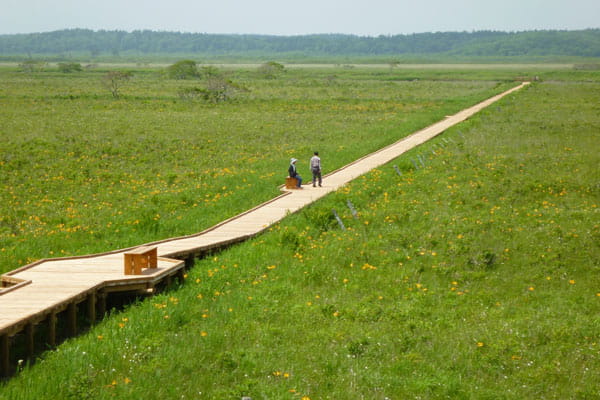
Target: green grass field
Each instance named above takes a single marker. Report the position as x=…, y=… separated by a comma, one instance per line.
x=473, y=277
x=84, y=173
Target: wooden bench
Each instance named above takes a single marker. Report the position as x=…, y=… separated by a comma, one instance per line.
x=291, y=183
x=138, y=258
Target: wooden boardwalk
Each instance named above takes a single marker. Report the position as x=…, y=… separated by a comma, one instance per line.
x=38, y=293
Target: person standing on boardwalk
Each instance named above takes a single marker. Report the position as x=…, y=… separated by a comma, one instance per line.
x=294, y=174
x=315, y=168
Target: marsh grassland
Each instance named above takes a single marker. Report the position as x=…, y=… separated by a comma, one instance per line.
x=473, y=276
x=83, y=172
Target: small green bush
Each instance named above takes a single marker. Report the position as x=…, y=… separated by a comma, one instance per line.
x=69, y=67
x=184, y=69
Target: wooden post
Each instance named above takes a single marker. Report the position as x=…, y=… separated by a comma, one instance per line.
x=91, y=306
x=181, y=275
x=72, y=319
x=189, y=262
x=101, y=296
x=4, y=354
x=52, y=329
x=30, y=340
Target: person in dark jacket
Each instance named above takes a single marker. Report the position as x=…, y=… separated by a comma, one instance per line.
x=294, y=174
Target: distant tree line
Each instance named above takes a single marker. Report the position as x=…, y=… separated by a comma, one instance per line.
x=582, y=43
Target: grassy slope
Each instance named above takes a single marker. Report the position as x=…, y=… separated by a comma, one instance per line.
x=475, y=277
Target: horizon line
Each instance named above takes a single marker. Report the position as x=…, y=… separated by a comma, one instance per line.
x=303, y=34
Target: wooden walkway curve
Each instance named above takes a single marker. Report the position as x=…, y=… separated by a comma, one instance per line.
x=39, y=292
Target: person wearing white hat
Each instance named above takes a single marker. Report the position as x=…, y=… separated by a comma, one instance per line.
x=294, y=174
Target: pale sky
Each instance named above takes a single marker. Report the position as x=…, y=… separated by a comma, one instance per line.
x=298, y=17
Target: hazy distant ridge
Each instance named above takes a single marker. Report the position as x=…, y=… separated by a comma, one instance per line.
x=582, y=43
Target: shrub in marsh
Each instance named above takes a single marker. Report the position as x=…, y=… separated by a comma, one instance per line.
x=192, y=93
x=271, y=69
x=209, y=71
x=69, y=67
x=32, y=66
x=218, y=89
x=114, y=81
x=184, y=69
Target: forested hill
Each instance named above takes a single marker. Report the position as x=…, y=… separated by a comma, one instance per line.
x=582, y=43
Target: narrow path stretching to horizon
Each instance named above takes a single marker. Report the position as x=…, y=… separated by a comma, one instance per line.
x=39, y=290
